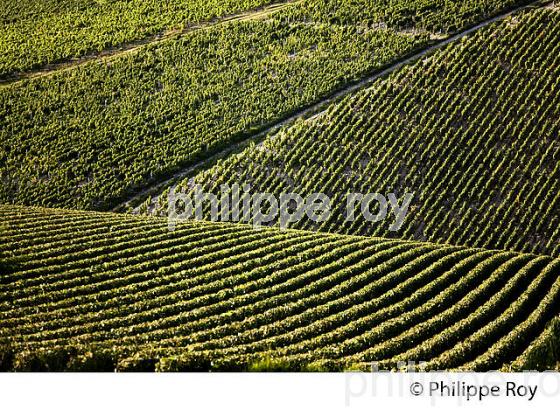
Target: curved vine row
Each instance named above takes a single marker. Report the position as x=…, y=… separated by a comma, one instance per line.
x=129, y=294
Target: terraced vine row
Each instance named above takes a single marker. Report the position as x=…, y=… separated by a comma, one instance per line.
x=95, y=291
x=472, y=130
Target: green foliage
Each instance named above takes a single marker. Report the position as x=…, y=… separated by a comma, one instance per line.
x=38, y=32
x=92, y=136
x=271, y=364
x=34, y=33
x=99, y=292
x=441, y=16
x=63, y=357
x=472, y=130
x=88, y=137
x=191, y=362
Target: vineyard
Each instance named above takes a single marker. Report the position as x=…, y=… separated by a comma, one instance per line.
x=94, y=291
x=91, y=136
x=436, y=16
x=472, y=131
x=105, y=128
x=40, y=32
x=118, y=104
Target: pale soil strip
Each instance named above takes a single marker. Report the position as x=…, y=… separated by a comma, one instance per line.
x=310, y=111
x=173, y=34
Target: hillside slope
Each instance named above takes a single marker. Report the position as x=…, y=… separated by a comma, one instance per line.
x=86, y=291
x=89, y=136
x=471, y=130
x=35, y=33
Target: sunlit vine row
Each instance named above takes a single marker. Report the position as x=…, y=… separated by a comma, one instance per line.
x=472, y=131
x=218, y=296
